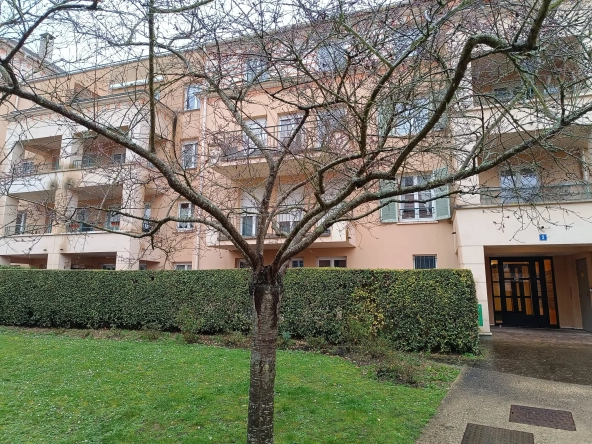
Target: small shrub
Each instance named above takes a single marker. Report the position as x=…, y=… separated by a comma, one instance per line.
x=398, y=373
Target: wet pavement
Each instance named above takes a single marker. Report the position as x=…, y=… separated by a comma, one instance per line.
x=550, y=369
x=555, y=355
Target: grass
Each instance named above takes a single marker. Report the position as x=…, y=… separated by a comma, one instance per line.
x=58, y=388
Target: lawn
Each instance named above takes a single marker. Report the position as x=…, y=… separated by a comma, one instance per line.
x=55, y=388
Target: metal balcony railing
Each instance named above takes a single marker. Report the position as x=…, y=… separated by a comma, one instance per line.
x=31, y=169
x=235, y=145
x=534, y=195
x=245, y=221
x=27, y=230
x=98, y=162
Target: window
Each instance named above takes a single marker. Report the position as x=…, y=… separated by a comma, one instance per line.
x=388, y=211
x=410, y=207
x=119, y=158
x=185, y=213
x=257, y=127
x=424, y=262
x=26, y=168
x=256, y=69
x=113, y=218
x=143, y=266
x=241, y=263
x=519, y=185
x=403, y=119
x=146, y=224
x=287, y=127
x=192, y=101
x=297, y=263
x=505, y=93
x=337, y=262
x=188, y=155
x=21, y=219
x=291, y=213
x=330, y=128
x=186, y=266
x=331, y=57
x=249, y=205
x=108, y=267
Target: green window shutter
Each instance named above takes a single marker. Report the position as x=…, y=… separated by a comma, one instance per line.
x=441, y=205
x=390, y=212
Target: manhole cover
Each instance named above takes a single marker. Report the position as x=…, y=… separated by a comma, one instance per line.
x=554, y=419
x=480, y=434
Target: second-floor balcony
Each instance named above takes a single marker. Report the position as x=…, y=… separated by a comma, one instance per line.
x=28, y=230
x=31, y=168
x=246, y=223
x=559, y=193
x=92, y=161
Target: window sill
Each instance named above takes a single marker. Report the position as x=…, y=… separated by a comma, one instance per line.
x=417, y=221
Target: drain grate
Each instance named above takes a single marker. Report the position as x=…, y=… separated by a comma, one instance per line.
x=554, y=419
x=480, y=434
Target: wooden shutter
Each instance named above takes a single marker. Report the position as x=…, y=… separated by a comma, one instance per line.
x=389, y=212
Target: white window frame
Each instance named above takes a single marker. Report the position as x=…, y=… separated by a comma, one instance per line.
x=415, y=256
x=518, y=186
x=256, y=66
x=332, y=260
x=181, y=266
x=184, y=226
x=297, y=259
x=330, y=57
x=113, y=219
x=242, y=263
x=192, y=100
x=259, y=128
x=287, y=125
x=418, y=207
x=20, y=225
x=189, y=155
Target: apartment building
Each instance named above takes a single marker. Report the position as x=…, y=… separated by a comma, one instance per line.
x=522, y=229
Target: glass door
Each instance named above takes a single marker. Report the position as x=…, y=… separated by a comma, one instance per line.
x=523, y=292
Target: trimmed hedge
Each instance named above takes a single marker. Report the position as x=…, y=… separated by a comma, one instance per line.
x=415, y=309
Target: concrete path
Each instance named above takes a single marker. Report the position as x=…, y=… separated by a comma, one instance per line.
x=483, y=394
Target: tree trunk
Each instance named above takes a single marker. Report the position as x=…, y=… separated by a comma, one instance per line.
x=266, y=291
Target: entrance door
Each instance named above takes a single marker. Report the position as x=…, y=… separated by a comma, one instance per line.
x=523, y=292
x=585, y=294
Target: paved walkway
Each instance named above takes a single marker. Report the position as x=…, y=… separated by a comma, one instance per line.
x=553, y=361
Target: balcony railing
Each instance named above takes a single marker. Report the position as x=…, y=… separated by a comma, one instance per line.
x=237, y=145
x=31, y=169
x=27, y=230
x=98, y=162
x=535, y=195
x=245, y=223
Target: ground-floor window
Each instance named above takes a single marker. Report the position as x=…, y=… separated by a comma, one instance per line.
x=297, y=263
x=242, y=263
x=108, y=267
x=183, y=266
x=338, y=262
x=424, y=262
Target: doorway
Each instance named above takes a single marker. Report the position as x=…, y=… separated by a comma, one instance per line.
x=585, y=293
x=523, y=292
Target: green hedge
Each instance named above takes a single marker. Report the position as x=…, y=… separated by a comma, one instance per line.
x=415, y=309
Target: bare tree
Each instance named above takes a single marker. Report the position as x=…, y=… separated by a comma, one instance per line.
x=371, y=108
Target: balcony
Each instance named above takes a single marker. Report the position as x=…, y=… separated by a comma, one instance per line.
x=238, y=157
x=246, y=224
x=536, y=195
x=99, y=161
x=29, y=168
x=28, y=230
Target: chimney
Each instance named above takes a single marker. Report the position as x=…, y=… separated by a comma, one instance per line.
x=46, y=47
